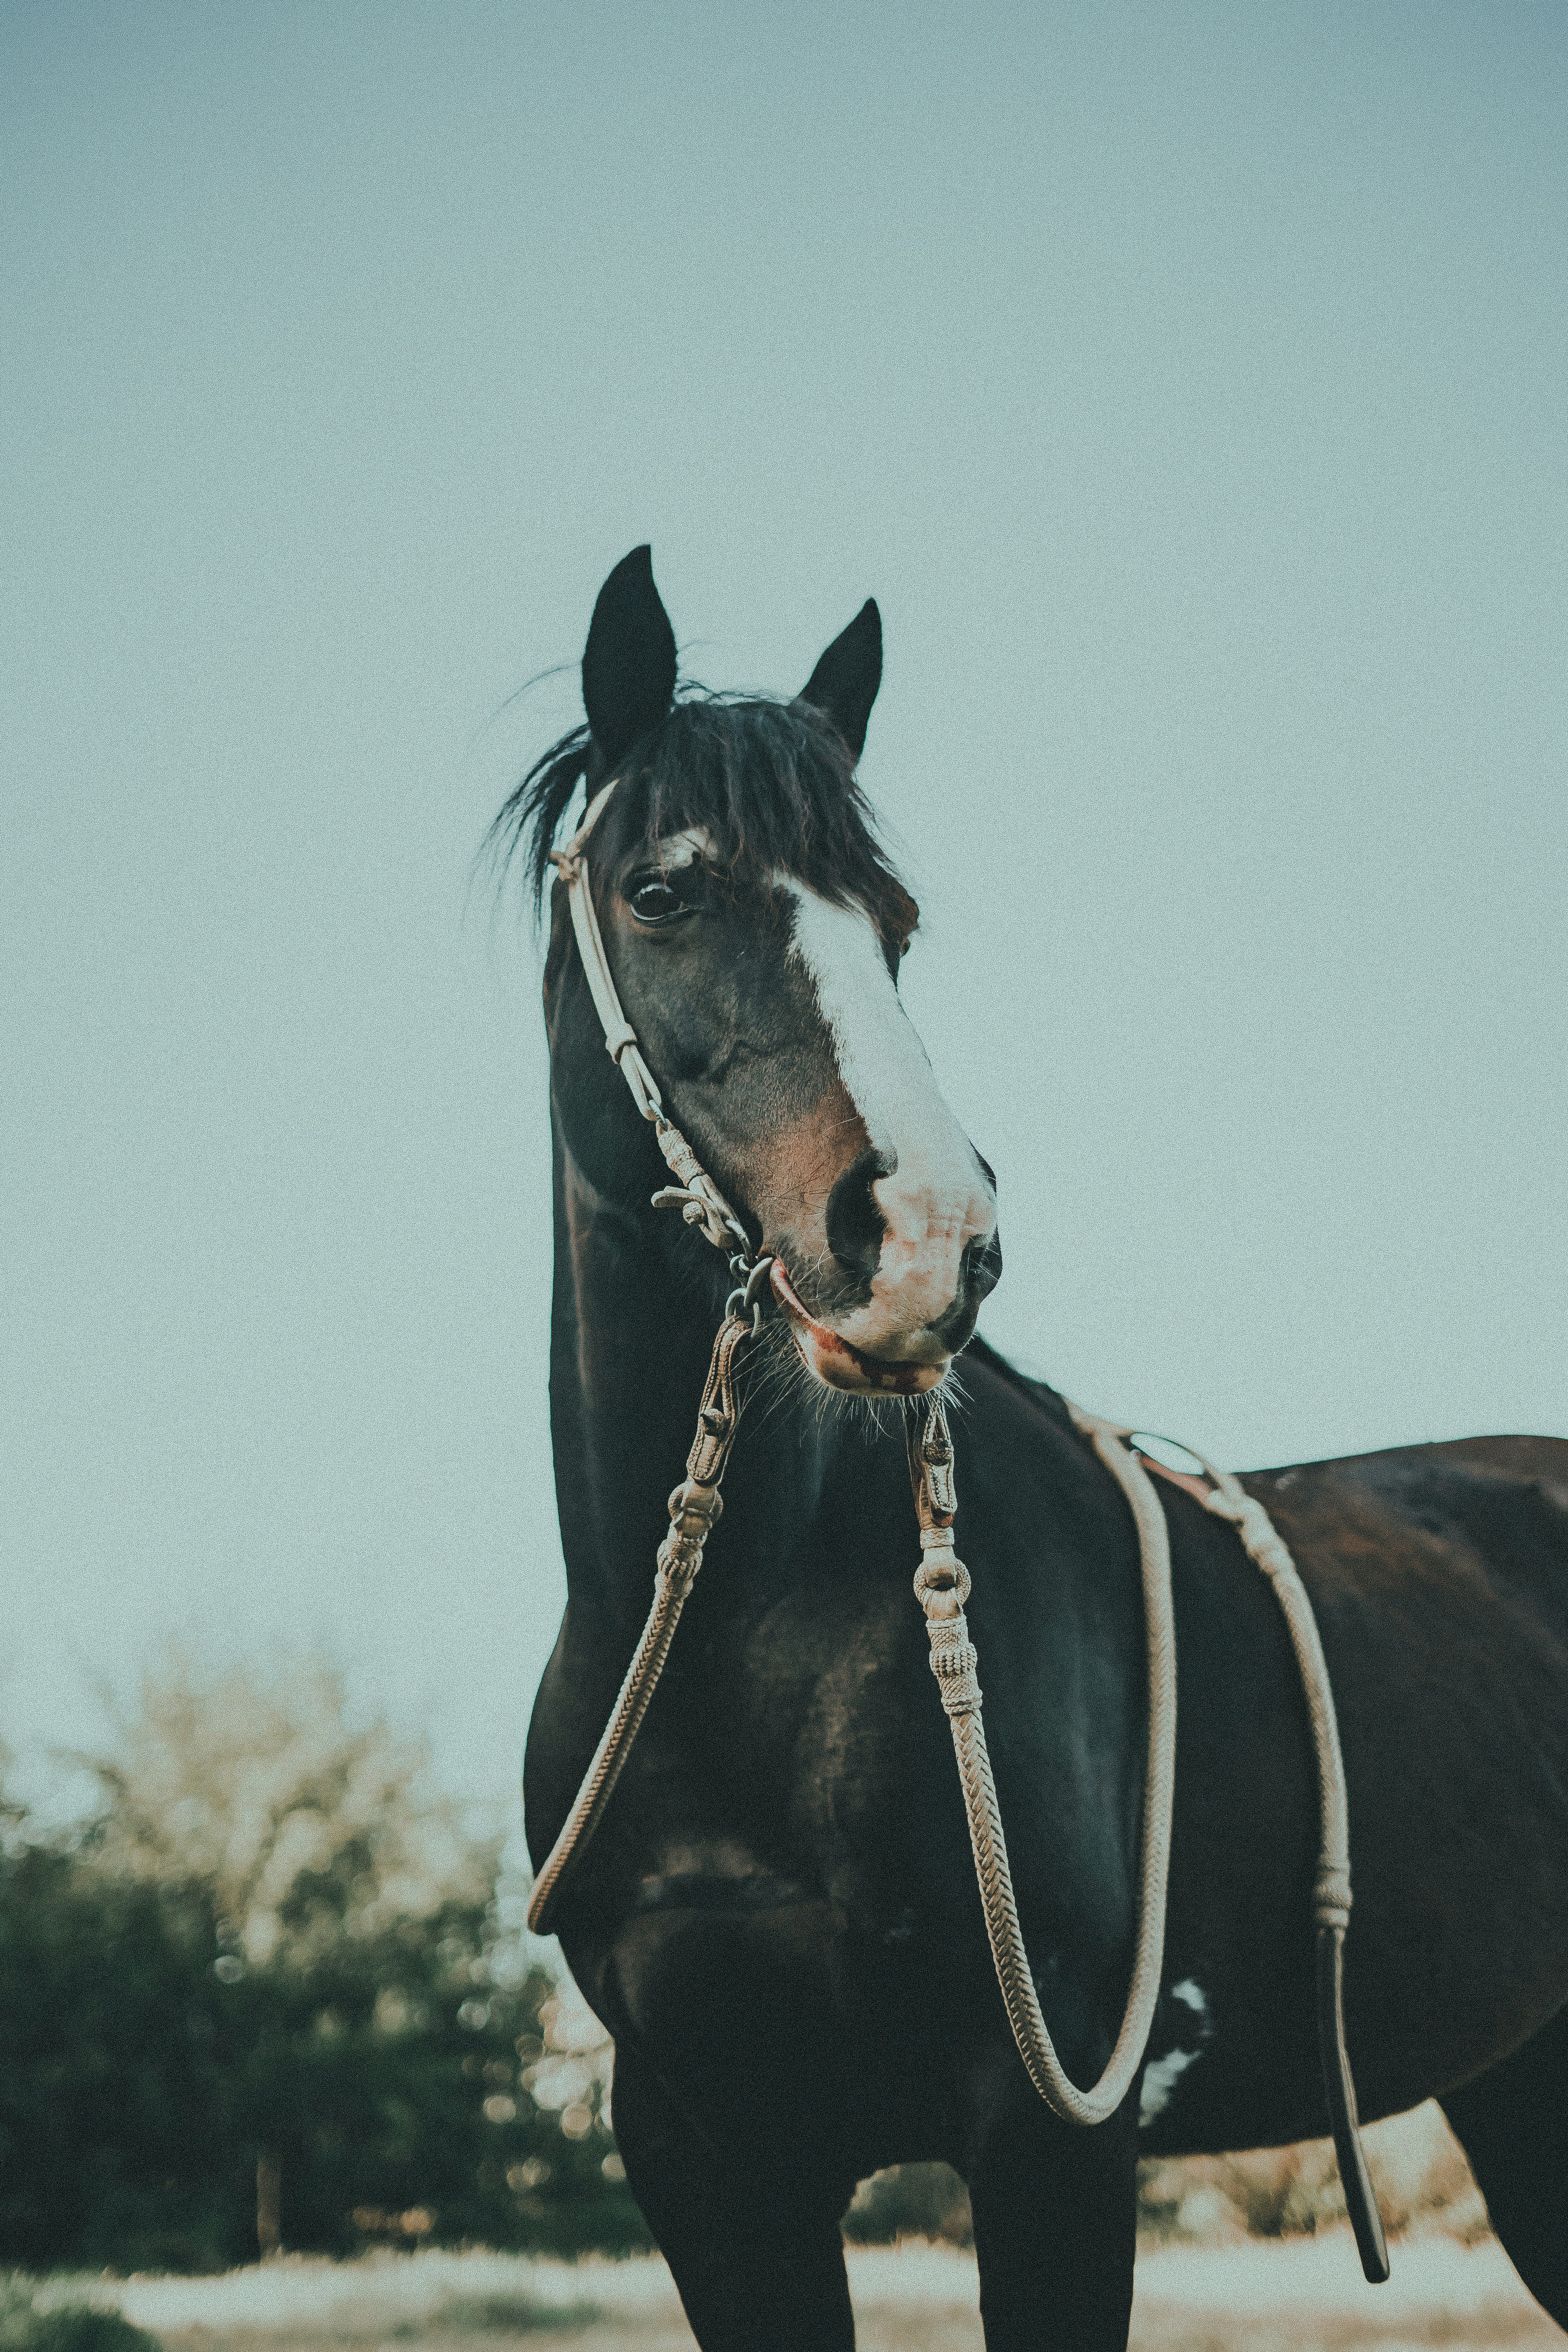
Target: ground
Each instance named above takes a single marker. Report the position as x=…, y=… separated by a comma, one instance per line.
x=1304, y=2295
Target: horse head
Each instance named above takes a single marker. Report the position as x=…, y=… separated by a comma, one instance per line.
x=754, y=930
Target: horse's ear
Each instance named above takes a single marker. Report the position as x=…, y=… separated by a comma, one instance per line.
x=844, y=684
x=629, y=662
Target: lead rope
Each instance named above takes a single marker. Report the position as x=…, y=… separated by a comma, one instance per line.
x=941, y=1587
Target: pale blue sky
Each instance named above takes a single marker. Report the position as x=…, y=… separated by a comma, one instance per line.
x=1190, y=385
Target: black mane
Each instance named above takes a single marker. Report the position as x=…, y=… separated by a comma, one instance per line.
x=772, y=783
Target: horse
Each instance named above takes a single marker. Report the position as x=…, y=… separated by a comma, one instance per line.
x=778, y=1921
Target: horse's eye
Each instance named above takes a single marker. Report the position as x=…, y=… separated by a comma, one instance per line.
x=653, y=901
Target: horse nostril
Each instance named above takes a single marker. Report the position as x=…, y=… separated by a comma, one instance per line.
x=982, y=1264
x=855, y=1224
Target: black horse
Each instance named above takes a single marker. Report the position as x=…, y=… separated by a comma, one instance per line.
x=779, y=1921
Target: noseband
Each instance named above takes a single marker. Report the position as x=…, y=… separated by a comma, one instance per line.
x=941, y=1587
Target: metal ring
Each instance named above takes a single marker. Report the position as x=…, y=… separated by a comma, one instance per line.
x=1156, y=1437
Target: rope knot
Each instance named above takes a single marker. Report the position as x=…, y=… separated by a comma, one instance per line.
x=954, y=1661
x=1259, y=1540
x=1332, y=1895
x=695, y=1511
x=676, y=1572
x=938, y=1579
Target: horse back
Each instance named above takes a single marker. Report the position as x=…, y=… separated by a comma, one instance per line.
x=1479, y=1524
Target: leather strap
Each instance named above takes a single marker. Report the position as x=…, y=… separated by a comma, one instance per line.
x=694, y=1192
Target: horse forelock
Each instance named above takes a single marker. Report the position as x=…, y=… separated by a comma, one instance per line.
x=769, y=786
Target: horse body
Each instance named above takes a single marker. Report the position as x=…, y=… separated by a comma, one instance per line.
x=778, y=1920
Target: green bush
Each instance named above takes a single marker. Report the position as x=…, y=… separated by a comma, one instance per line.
x=911, y=2200
x=63, y=2327
x=270, y=1997
x=145, y=2069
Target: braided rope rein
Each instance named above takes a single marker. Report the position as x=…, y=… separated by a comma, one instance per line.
x=941, y=1587
x=694, y=1510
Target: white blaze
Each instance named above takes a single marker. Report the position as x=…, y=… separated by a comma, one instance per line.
x=936, y=1201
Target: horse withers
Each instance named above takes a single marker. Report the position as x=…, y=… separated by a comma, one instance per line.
x=778, y=1919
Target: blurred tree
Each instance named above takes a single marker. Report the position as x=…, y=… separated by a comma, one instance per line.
x=115, y=2138
x=273, y=1995
x=911, y=2200
x=306, y=1827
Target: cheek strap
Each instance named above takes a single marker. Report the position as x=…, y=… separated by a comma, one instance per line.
x=693, y=1193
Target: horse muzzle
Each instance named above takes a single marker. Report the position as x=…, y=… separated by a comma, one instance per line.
x=837, y=1364
x=923, y=1356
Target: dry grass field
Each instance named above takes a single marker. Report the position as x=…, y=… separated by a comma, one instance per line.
x=1302, y=2296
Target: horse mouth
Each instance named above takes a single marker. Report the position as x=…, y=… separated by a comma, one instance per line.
x=837, y=1364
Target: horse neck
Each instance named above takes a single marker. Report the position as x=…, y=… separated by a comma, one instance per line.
x=630, y=1345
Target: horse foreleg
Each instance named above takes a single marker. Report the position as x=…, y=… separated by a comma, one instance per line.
x=758, y=2256
x=1056, y=2211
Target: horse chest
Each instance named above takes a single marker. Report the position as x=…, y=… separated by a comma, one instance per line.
x=757, y=1997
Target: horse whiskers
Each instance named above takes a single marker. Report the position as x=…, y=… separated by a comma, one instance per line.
x=770, y=1378
x=778, y=1376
